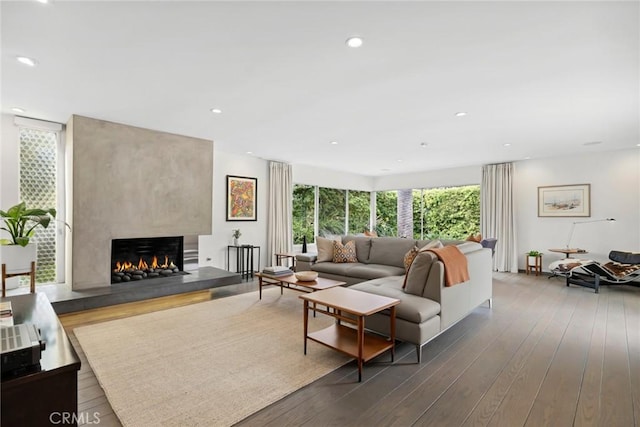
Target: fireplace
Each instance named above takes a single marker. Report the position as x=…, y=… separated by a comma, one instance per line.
x=146, y=258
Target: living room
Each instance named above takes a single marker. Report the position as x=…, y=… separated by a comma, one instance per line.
x=563, y=115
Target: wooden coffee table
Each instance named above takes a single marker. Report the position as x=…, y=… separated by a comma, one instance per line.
x=291, y=282
x=352, y=342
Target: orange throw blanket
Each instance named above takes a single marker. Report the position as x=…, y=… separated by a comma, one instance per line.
x=456, y=269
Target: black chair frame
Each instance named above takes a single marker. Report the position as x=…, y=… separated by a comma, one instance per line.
x=592, y=275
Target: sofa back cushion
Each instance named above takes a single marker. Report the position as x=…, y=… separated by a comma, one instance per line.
x=419, y=272
x=389, y=250
x=363, y=246
x=325, y=249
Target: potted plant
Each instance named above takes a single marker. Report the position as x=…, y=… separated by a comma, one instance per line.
x=19, y=251
x=532, y=257
x=236, y=235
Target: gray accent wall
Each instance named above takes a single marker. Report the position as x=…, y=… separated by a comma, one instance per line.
x=127, y=182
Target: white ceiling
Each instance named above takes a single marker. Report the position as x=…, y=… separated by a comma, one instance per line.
x=545, y=77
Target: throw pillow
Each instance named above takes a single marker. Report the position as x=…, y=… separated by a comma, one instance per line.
x=370, y=233
x=475, y=238
x=409, y=257
x=344, y=253
x=325, y=249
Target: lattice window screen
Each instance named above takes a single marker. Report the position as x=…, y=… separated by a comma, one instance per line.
x=38, y=163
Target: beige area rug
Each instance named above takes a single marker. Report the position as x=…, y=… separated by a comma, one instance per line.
x=207, y=364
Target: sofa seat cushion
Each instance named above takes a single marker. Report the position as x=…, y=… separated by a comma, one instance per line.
x=340, y=269
x=412, y=308
x=374, y=271
x=356, y=269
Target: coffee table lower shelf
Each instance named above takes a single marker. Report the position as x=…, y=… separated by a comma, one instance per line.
x=345, y=340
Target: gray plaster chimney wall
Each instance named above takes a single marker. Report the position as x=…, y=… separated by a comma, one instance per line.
x=128, y=182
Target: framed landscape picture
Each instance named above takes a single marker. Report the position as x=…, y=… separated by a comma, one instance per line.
x=241, y=198
x=564, y=200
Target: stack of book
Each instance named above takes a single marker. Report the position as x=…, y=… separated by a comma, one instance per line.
x=6, y=314
x=277, y=270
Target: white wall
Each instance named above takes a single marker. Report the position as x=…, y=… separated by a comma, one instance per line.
x=310, y=175
x=9, y=161
x=615, y=193
x=470, y=175
x=213, y=248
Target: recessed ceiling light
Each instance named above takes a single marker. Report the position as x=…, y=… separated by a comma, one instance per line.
x=26, y=61
x=399, y=160
x=460, y=114
x=43, y=1
x=385, y=170
x=527, y=158
x=216, y=110
x=354, y=41
x=506, y=145
x=637, y=145
x=423, y=144
x=249, y=152
x=17, y=110
x=334, y=142
x=592, y=143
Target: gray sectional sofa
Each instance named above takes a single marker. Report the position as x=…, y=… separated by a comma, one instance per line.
x=427, y=307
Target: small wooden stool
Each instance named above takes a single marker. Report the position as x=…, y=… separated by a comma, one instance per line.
x=536, y=266
x=31, y=274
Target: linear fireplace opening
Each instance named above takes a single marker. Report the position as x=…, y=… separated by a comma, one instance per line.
x=146, y=258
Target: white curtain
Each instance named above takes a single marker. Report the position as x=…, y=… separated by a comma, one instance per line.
x=497, y=218
x=280, y=227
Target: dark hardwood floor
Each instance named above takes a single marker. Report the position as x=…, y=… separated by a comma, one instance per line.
x=544, y=354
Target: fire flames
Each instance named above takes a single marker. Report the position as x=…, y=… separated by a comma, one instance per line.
x=143, y=265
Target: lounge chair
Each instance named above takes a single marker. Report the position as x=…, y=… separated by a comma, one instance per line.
x=624, y=268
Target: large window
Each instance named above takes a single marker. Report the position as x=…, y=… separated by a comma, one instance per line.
x=328, y=211
x=304, y=197
x=38, y=189
x=332, y=211
x=450, y=213
x=359, y=211
x=387, y=213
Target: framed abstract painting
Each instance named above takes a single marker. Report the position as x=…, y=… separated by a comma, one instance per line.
x=242, y=195
x=565, y=200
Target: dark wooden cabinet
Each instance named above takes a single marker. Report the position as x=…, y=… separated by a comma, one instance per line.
x=46, y=396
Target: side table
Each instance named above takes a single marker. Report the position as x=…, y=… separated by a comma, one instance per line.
x=244, y=259
x=534, y=264
x=285, y=256
x=569, y=251
x=352, y=341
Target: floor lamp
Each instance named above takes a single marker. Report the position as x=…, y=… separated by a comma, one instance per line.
x=573, y=226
